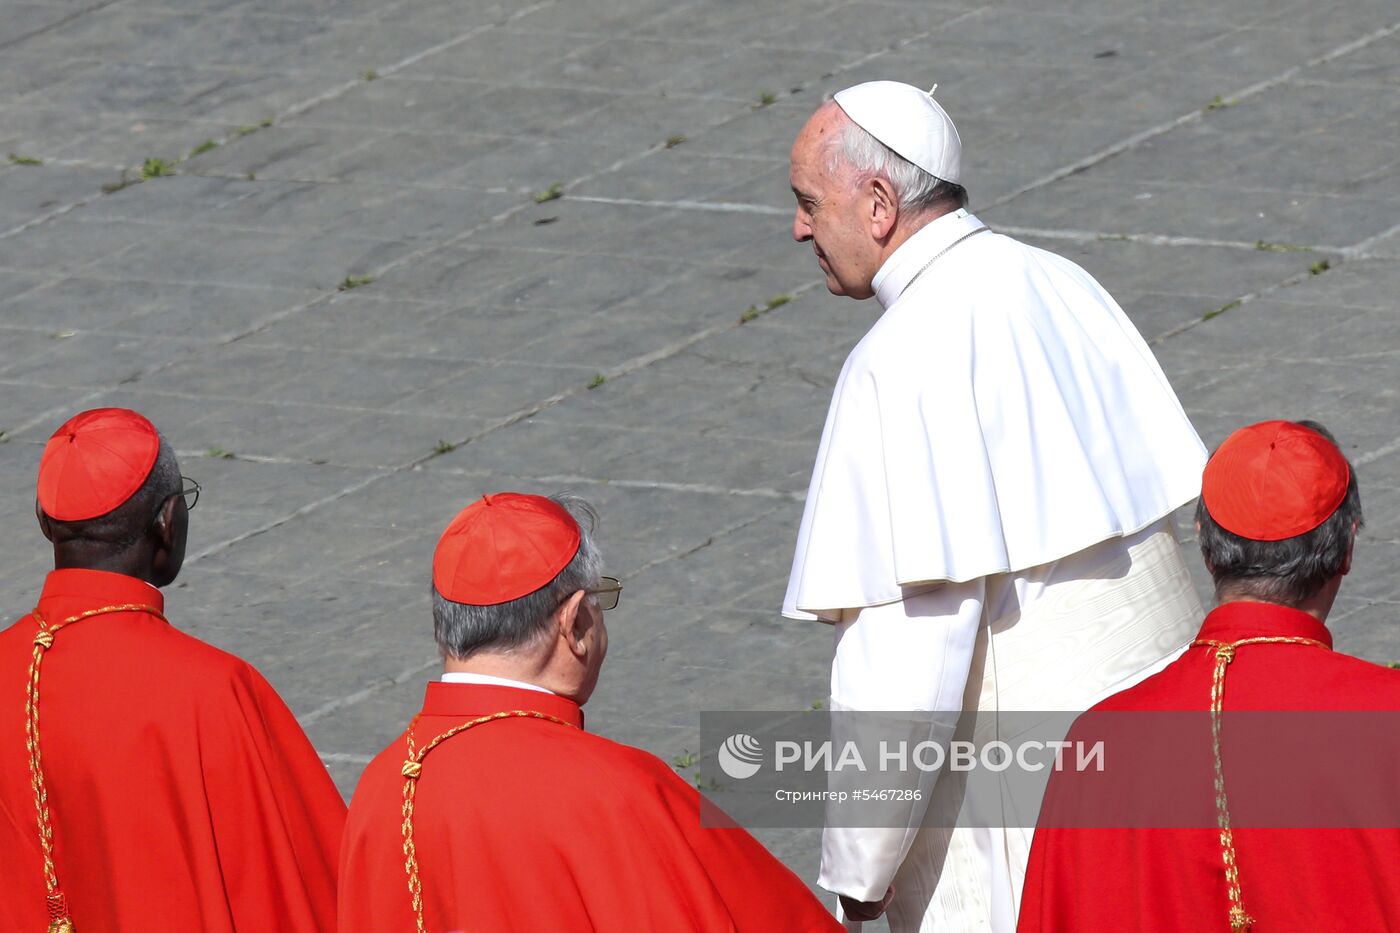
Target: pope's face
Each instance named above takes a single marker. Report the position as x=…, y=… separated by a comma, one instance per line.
x=833, y=212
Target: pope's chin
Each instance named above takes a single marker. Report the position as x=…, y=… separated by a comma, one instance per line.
x=836, y=287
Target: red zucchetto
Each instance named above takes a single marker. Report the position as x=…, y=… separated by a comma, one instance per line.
x=502, y=547
x=1274, y=480
x=96, y=462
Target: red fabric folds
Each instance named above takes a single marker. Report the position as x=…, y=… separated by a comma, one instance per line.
x=528, y=825
x=184, y=794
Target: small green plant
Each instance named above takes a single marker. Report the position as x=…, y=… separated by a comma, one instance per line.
x=686, y=759
x=354, y=281
x=1319, y=267
x=702, y=783
x=753, y=312
x=371, y=75
x=597, y=380
x=1266, y=247
x=672, y=141
x=265, y=122
x=765, y=98
x=818, y=704
x=4, y=437
x=218, y=453
x=553, y=193
x=24, y=160
x=1219, y=103
x=202, y=148
x=1393, y=665
x=1221, y=310
x=246, y=129
x=156, y=168
x=444, y=447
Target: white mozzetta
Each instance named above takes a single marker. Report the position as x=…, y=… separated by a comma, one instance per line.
x=1002, y=413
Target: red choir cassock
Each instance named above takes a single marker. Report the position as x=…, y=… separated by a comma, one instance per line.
x=528, y=823
x=1166, y=880
x=182, y=794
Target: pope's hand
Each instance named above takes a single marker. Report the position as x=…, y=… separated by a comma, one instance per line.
x=866, y=910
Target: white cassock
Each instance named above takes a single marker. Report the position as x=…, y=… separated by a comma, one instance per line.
x=988, y=525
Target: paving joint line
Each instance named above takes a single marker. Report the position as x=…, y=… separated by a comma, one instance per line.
x=708, y=542
x=294, y=109
x=56, y=25
x=757, y=492
x=1236, y=304
x=1362, y=250
x=1243, y=94
x=1153, y=239
x=364, y=693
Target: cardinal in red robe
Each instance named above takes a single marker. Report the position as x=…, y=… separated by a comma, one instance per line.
x=148, y=781
x=1278, y=515
x=497, y=811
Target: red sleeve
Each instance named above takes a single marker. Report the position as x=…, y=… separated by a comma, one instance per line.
x=759, y=893
x=276, y=814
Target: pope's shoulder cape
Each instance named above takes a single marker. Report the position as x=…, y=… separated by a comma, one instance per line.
x=1001, y=414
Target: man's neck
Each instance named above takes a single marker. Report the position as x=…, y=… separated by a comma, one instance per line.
x=66, y=557
x=1319, y=605
x=908, y=226
x=528, y=670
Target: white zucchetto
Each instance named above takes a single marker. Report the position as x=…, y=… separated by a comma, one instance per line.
x=910, y=122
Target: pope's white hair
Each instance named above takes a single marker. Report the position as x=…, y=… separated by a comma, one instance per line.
x=854, y=148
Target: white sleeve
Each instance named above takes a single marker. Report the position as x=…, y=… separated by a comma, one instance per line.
x=913, y=655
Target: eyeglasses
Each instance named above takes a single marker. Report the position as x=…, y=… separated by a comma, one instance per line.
x=608, y=594
x=189, y=490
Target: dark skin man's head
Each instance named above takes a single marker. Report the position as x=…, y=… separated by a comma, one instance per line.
x=144, y=537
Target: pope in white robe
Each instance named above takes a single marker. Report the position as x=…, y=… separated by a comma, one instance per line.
x=988, y=524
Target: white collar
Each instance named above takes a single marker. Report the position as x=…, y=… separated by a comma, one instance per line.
x=904, y=263
x=467, y=677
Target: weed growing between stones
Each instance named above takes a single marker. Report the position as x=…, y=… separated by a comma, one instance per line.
x=553, y=193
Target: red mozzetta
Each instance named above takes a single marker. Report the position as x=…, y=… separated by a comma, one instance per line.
x=530, y=823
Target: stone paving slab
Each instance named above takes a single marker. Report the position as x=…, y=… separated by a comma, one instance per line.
x=416, y=251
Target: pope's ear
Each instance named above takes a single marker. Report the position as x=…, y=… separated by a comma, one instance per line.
x=884, y=207
x=571, y=624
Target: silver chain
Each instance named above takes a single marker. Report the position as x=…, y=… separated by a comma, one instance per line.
x=937, y=256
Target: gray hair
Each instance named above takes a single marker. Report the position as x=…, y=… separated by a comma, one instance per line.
x=462, y=629
x=917, y=190
x=124, y=525
x=1287, y=572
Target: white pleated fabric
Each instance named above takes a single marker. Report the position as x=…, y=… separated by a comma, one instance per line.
x=1001, y=414
x=1060, y=636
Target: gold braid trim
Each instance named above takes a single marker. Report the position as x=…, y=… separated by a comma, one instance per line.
x=60, y=921
x=413, y=770
x=1240, y=920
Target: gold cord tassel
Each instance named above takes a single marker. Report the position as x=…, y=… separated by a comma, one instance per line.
x=412, y=770
x=1240, y=920
x=60, y=920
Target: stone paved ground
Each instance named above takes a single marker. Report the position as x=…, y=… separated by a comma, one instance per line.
x=1227, y=168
